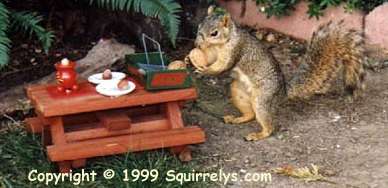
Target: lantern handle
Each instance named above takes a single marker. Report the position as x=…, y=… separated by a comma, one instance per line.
x=144, y=37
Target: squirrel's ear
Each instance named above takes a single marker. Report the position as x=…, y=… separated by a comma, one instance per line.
x=210, y=10
x=225, y=20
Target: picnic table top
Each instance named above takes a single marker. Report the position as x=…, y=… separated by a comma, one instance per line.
x=50, y=102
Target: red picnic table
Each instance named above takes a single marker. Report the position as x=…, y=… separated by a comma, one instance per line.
x=85, y=124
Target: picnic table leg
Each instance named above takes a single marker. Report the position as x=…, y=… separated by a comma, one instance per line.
x=78, y=163
x=183, y=152
x=174, y=115
x=46, y=136
x=58, y=138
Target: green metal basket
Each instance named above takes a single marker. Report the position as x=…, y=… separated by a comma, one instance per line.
x=150, y=68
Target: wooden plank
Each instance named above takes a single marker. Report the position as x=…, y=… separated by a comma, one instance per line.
x=78, y=163
x=57, y=130
x=46, y=136
x=100, y=132
x=177, y=149
x=174, y=115
x=58, y=139
x=64, y=166
x=35, y=87
x=78, y=123
x=31, y=88
x=42, y=118
x=126, y=143
x=76, y=119
x=184, y=154
x=94, y=102
x=34, y=125
x=103, y=103
x=114, y=121
x=141, y=110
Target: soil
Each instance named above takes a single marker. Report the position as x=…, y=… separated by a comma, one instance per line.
x=347, y=140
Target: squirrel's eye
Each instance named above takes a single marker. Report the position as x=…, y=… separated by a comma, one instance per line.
x=214, y=33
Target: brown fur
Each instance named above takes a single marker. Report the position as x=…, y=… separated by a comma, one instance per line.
x=258, y=86
x=330, y=51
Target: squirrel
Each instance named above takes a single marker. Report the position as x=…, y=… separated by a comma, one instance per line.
x=258, y=85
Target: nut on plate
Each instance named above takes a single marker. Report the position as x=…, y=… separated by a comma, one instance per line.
x=107, y=74
x=123, y=84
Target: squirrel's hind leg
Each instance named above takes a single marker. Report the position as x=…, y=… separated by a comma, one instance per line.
x=241, y=100
x=264, y=117
x=354, y=77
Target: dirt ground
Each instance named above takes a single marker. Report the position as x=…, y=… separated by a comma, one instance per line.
x=348, y=140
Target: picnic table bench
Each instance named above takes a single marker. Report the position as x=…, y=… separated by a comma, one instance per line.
x=85, y=124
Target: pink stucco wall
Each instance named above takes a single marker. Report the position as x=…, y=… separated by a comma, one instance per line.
x=299, y=25
x=376, y=26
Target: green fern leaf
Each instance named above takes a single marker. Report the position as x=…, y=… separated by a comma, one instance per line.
x=5, y=42
x=167, y=11
x=28, y=22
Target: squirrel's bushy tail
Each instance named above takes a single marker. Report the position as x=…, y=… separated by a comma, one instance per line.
x=331, y=50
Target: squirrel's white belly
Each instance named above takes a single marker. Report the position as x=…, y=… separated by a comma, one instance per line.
x=240, y=76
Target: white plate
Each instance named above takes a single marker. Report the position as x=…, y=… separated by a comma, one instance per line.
x=97, y=78
x=109, y=88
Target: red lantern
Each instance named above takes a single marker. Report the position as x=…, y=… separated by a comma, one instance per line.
x=66, y=76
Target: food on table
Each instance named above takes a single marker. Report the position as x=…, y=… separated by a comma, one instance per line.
x=177, y=65
x=107, y=74
x=123, y=84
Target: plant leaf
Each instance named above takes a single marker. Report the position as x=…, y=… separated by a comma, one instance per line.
x=28, y=22
x=167, y=11
x=5, y=42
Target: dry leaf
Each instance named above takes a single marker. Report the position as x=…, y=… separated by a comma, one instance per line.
x=305, y=173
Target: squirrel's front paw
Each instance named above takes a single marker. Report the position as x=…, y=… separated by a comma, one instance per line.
x=198, y=59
